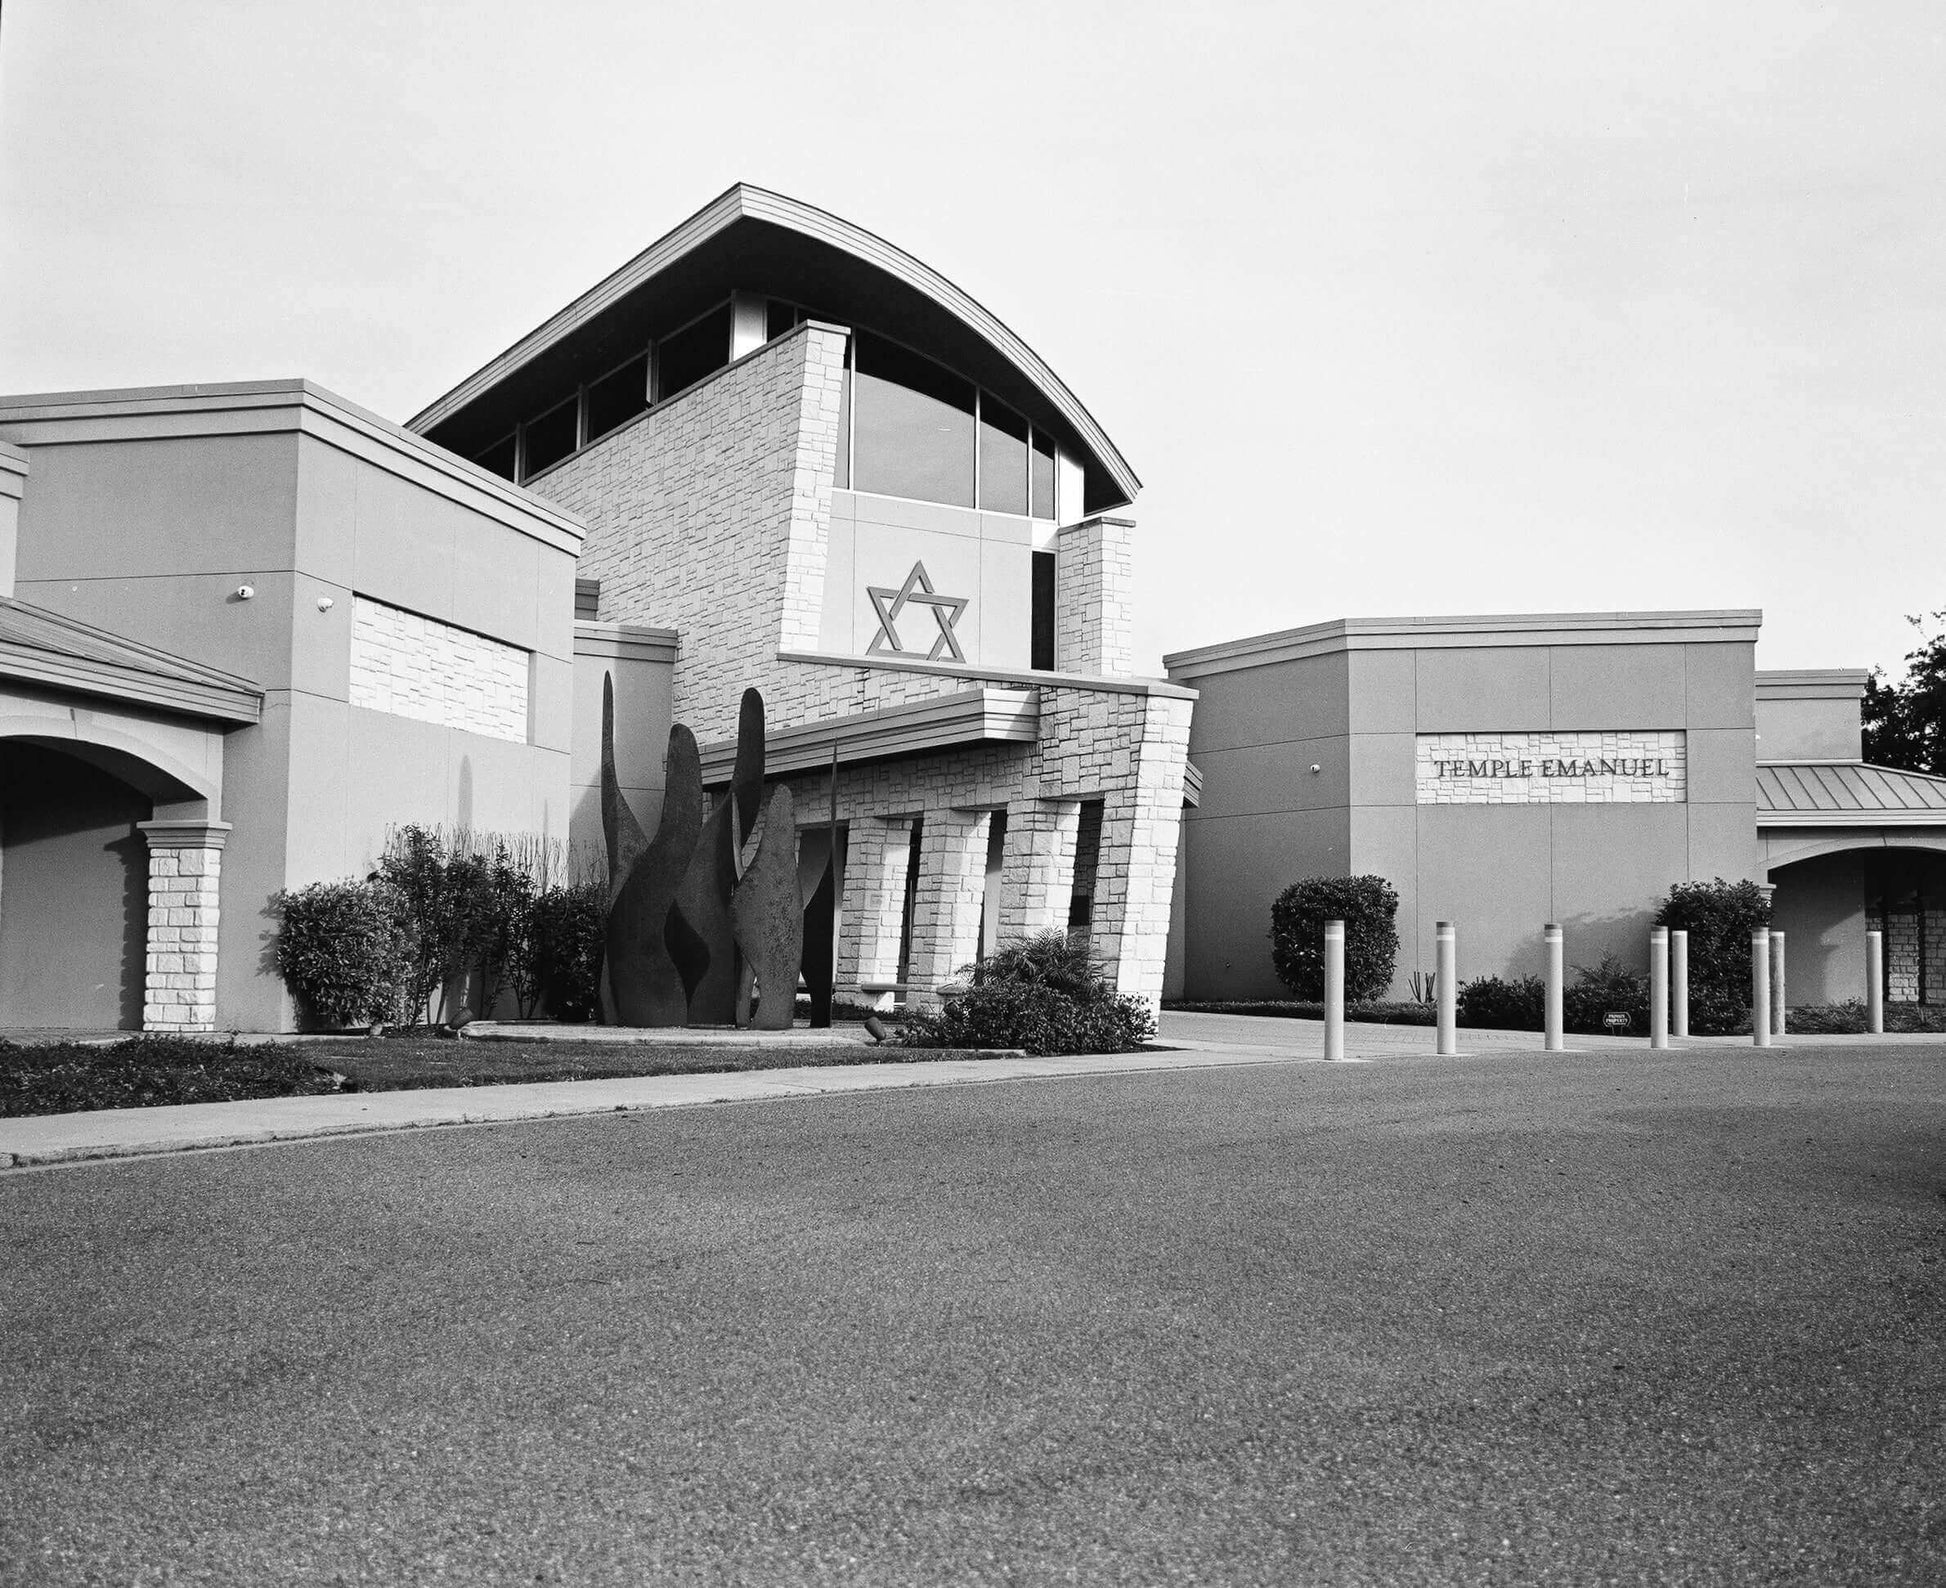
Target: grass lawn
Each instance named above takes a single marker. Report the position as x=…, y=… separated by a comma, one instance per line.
x=150, y=1071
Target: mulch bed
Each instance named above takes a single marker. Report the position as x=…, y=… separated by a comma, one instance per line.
x=152, y=1071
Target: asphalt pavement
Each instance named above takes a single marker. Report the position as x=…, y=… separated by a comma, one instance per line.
x=1606, y=1317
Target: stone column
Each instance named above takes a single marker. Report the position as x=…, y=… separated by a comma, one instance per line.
x=952, y=887
x=1141, y=824
x=1037, y=866
x=185, y=875
x=877, y=858
x=1094, y=618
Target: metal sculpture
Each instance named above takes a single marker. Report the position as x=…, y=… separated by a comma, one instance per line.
x=641, y=985
x=768, y=913
x=701, y=939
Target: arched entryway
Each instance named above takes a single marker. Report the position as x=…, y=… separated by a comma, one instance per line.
x=74, y=892
x=1833, y=891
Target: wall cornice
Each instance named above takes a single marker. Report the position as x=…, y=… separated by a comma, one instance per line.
x=1712, y=626
x=153, y=413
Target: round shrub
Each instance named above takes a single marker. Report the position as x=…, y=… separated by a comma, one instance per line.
x=1368, y=907
x=1719, y=917
x=342, y=952
x=1040, y=993
x=1495, y=1005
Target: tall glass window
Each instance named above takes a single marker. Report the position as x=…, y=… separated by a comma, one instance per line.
x=618, y=397
x=698, y=349
x=1043, y=504
x=551, y=437
x=1003, y=458
x=499, y=458
x=912, y=426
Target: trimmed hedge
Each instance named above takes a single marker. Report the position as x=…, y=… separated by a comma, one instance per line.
x=344, y=952
x=1369, y=908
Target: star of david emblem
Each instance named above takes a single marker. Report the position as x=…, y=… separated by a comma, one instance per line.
x=917, y=591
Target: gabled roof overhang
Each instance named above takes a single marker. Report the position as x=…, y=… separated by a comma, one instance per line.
x=47, y=648
x=757, y=241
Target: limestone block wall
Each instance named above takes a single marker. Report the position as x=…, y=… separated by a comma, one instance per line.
x=1124, y=748
x=415, y=666
x=1905, y=944
x=711, y=515
x=185, y=881
x=1094, y=580
x=1629, y=767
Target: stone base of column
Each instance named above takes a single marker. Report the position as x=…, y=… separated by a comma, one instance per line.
x=185, y=878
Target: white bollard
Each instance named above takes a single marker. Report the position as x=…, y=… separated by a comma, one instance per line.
x=1760, y=986
x=1448, y=966
x=1334, y=989
x=1875, y=983
x=1679, y=984
x=1553, y=1023
x=1776, y=982
x=1659, y=987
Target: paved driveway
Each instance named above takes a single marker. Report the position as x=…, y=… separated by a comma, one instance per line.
x=1610, y=1317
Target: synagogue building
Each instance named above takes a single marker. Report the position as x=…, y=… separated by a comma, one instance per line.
x=246, y=630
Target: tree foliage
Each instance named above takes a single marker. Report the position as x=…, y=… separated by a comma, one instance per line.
x=1719, y=917
x=1905, y=722
x=1369, y=908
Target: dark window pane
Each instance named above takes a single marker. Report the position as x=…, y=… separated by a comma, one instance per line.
x=1043, y=465
x=779, y=317
x=499, y=458
x=912, y=426
x=550, y=438
x=843, y=480
x=697, y=350
x=1003, y=458
x=615, y=399
x=1041, y=639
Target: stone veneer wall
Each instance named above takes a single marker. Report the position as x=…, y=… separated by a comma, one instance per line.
x=1901, y=928
x=1094, y=579
x=711, y=514
x=415, y=666
x=1545, y=784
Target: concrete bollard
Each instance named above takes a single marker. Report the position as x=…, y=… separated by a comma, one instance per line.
x=1776, y=982
x=1334, y=989
x=1448, y=966
x=1659, y=987
x=1875, y=983
x=1760, y=987
x=1553, y=1022
x=1679, y=984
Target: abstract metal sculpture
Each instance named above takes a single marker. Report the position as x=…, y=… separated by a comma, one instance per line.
x=768, y=912
x=641, y=985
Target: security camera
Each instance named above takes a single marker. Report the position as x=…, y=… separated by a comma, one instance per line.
x=324, y=603
x=244, y=592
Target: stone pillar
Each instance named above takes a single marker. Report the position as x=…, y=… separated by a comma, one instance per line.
x=1037, y=866
x=1141, y=823
x=877, y=858
x=185, y=876
x=952, y=887
x=1094, y=576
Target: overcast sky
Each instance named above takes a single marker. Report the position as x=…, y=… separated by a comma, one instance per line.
x=1394, y=308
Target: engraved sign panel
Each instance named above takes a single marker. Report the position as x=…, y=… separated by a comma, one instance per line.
x=1635, y=766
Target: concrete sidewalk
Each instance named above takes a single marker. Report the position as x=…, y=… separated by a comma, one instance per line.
x=1196, y=1041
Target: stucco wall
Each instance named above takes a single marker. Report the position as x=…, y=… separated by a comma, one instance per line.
x=73, y=893
x=151, y=536
x=1501, y=871
x=1820, y=907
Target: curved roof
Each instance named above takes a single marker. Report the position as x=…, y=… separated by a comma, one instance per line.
x=757, y=241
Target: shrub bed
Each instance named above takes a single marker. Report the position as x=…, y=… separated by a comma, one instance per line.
x=151, y=1071
x=1041, y=994
x=1378, y=1012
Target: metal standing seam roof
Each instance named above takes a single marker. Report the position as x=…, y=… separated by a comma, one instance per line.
x=1847, y=794
x=45, y=647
